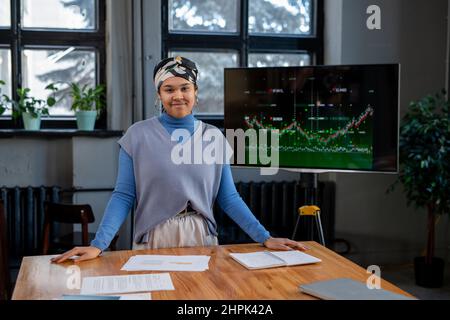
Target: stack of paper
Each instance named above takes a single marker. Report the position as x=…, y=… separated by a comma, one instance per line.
x=126, y=284
x=128, y=296
x=166, y=263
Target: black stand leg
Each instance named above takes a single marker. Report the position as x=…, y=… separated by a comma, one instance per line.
x=310, y=183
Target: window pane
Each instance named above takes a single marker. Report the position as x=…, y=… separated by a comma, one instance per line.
x=42, y=67
x=203, y=15
x=59, y=14
x=5, y=13
x=280, y=16
x=278, y=59
x=5, y=74
x=210, y=82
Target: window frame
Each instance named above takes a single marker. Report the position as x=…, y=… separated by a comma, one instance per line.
x=243, y=42
x=19, y=39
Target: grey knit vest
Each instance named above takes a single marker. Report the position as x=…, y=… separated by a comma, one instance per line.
x=164, y=188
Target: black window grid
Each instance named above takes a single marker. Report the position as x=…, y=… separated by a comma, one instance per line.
x=18, y=39
x=243, y=42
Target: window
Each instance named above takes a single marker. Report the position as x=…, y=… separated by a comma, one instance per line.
x=278, y=59
x=51, y=41
x=65, y=14
x=65, y=65
x=280, y=17
x=5, y=17
x=203, y=16
x=218, y=34
x=210, y=65
x=5, y=73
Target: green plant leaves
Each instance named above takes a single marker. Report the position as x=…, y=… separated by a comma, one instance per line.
x=86, y=99
x=51, y=101
x=27, y=103
x=425, y=153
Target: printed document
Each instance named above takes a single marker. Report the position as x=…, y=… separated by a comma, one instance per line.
x=166, y=263
x=126, y=284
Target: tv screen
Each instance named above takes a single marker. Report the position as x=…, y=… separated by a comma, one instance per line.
x=328, y=118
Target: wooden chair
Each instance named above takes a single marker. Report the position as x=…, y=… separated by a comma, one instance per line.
x=71, y=214
x=5, y=281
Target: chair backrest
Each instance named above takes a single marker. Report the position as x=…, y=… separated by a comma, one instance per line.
x=4, y=259
x=66, y=213
x=69, y=213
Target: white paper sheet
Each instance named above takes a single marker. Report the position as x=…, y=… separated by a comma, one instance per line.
x=127, y=296
x=126, y=283
x=136, y=296
x=166, y=263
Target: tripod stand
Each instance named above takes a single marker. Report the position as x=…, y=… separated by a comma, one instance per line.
x=310, y=182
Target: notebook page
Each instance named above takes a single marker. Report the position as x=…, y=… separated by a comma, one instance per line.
x=257, y=260
x=294, y=257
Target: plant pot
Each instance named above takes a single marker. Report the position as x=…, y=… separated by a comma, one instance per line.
x=86, y=120
x=31, y=123
x=429, y=275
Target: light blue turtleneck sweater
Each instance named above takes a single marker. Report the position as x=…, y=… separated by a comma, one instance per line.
x=124, y=194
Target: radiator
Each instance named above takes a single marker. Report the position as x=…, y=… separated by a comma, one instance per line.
x=25, y=218
x=275, y=205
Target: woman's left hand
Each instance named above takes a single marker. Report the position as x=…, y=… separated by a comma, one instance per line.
x=284, y=244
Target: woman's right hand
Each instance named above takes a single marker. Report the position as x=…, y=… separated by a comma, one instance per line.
x=83, y=253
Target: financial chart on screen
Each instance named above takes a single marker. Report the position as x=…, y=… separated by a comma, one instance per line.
x=327, y=117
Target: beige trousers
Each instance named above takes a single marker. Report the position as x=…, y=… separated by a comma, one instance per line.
x=186, y=229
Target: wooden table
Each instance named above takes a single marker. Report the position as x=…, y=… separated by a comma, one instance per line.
x=225, y=279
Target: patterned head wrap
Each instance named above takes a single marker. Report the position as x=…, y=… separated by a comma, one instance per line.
x=175, y=67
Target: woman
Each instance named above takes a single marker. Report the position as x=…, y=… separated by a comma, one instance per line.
x=174, y=202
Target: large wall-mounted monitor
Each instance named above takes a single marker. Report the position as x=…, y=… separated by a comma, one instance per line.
x=329, y=118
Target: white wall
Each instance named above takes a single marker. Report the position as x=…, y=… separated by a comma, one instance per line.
x=380, y=227
x=28, y=161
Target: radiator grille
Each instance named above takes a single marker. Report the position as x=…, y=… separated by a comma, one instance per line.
x=25, y=217
x=275, y=205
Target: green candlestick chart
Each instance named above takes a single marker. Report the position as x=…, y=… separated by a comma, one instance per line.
x=320, y=140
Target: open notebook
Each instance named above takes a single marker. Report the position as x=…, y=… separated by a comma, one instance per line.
x=272, y=259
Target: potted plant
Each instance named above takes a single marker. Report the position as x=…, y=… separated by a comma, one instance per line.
x=425, y=173
x=30, y=108
x=87, y=104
